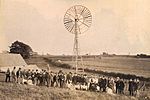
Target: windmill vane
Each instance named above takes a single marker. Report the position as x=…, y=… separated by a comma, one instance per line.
x=77, y=20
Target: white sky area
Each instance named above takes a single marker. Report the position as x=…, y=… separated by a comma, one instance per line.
x=118, y=26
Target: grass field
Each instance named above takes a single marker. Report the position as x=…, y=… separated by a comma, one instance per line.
x=11, y=91
x=14, y=91
x=127, y=65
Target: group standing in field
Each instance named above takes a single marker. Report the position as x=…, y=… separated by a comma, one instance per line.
x=73, y=81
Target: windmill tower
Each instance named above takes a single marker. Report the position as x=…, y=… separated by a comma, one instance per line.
x=77, y=20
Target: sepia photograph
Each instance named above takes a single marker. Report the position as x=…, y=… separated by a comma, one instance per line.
x=74, y=49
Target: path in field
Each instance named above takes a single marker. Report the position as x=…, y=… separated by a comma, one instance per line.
x=128, y=65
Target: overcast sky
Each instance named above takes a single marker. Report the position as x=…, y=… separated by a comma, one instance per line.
x=118, y=26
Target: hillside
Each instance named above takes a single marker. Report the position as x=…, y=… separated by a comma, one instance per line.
x=9, y=91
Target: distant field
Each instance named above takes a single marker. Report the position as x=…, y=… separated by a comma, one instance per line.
x=128, y=65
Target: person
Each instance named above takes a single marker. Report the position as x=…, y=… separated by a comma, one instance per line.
x=55, y=80
x=135, y=87
x=74, y=79
x=104, y=84
x=69, y=77
x=84, y=87
x=13, y=74
x=111, y=84
x=117, y=84
x=61, y=79
x=92, y=85
x=100, y=83
x=44, y=77
x=131, y=87
x=36, y=75
x=85, y=79
x=23, y=75
x=7, y=75
x=40, y=77
x=18, y=74
x=121, y=86
x=33, y=76
x=48, y=79
x=28, y=74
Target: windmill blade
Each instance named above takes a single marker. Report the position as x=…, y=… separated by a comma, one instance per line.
x=76, y=15
x=82, y=12
x=84, y=9
x=68, y=21
x=83, y=23
x=72, y=28
x=70, y=15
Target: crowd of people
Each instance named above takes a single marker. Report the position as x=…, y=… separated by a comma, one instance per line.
x=73, y=81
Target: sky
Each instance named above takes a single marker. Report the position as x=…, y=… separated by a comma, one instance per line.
x=118, y=26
